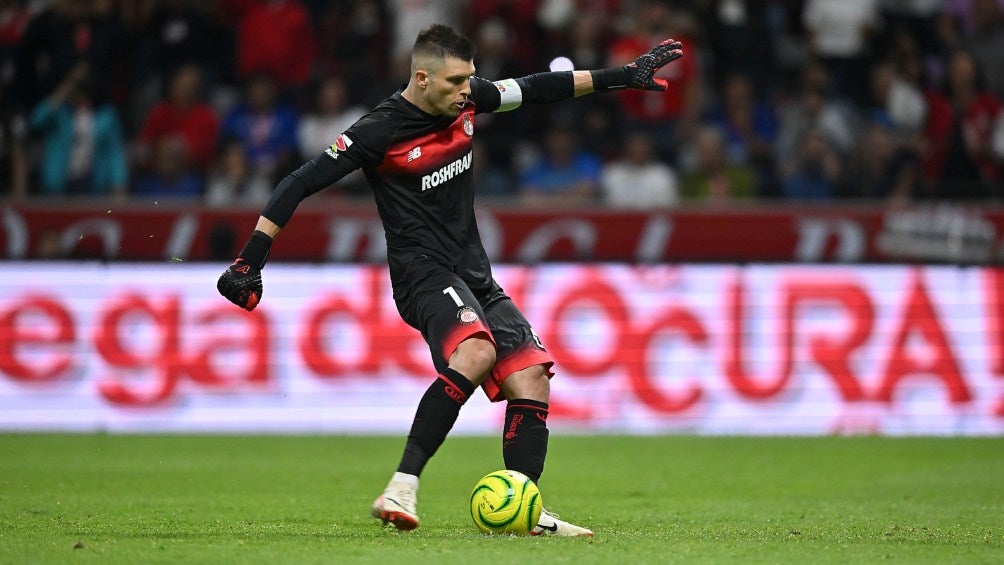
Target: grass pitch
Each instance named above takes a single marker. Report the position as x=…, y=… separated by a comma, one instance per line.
x=276, y=499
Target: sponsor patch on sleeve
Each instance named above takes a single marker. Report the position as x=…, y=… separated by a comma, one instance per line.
x=339, y=146
x=512, y=95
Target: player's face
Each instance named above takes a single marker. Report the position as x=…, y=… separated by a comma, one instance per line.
x=448, y=86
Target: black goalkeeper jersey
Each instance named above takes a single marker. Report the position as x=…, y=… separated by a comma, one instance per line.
x=419, y=167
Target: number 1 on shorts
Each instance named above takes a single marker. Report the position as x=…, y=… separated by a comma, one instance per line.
x=453, y=294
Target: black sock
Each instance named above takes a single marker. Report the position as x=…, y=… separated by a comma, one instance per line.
x=524, y=439
x=436, y=414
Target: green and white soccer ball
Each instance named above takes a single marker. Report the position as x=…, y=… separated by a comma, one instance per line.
x=506, y=502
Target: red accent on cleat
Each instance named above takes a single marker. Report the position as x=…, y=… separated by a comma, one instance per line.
x=252, y=301
x=400, y=520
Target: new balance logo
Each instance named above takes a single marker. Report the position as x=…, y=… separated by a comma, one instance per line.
x=414, y=154
x=243, y=269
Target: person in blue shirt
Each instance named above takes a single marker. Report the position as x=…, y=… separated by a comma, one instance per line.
x=265, y=127
x=564, y=174
x=84, y=148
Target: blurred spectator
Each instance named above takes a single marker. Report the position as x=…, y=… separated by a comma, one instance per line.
x=816, y=109
x=637, y=180
x=84, y=146
x=665, y=116
x=14, y=18
x=816, y=173
x=917, y=18
x=588, y=40
x=882, y=168
x=66, y=34
x=520, y=17
x=959, y=160
x=276, y=37
x=184, y=116
x=564, y=174
x=741, y=40
x=353, y=43
x=331, y=115
x=749, y=128
x=910, y=64
x=493, y=53
x=265, y=128
x=963, y=14
x=987, y=43
x=13, y=154
x=233, y=181
x=839, y=35
x=896, y=102
x=175, y=33
x=713, y=180
x=171, y=176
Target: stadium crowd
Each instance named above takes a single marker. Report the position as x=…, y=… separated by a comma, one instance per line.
x=214, y=101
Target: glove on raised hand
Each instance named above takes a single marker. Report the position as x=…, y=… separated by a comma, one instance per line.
x=641, y=73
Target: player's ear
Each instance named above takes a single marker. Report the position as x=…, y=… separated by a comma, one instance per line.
x=422, y=78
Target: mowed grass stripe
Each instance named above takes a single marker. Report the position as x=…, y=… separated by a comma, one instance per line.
x=673, y=499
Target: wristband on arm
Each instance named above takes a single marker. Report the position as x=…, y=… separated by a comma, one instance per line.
x=256, y=249
x=605, y=80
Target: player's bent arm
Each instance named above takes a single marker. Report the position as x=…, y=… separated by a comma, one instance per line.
x=241, y=282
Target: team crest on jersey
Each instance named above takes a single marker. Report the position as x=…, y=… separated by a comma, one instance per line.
x=340, y=145
x=467, y=315
x=468, y=125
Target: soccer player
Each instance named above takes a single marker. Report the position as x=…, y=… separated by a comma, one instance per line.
x=415, y=151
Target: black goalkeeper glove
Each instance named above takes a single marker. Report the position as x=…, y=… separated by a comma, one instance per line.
x=640, y=73
x=241, y=282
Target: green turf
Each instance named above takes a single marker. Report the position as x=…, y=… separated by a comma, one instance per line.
x=237, y=499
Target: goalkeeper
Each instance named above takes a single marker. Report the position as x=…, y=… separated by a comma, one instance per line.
x=415, y=151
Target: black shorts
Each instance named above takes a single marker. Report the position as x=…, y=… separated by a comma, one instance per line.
x=438, y=302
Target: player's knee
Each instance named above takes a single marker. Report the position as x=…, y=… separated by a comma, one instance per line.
x=474, y=357
x=531, y=383
x=482, y=355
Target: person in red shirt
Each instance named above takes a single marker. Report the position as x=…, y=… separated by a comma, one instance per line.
x=183, y=115
x=958, y=157
x=275, y=36
x=670, y=117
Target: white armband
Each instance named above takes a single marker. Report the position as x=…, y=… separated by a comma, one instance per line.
x=512, y=94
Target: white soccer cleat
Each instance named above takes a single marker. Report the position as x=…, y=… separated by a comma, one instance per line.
x=397, y=505
x=550, y=525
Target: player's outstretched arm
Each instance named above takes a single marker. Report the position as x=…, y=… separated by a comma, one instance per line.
x=548, y=87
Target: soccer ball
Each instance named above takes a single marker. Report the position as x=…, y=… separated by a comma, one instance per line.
x=506, y=502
